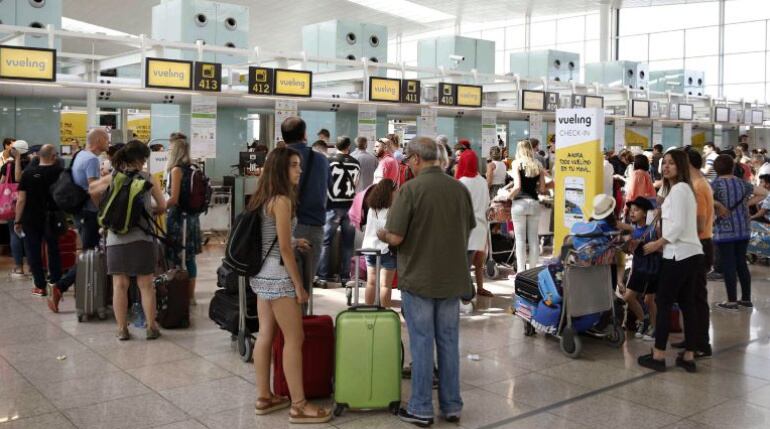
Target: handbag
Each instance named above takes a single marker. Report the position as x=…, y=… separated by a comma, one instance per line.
x=8, y=195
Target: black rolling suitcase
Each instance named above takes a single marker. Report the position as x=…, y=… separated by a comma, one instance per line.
x=224, y=311
x=526, y=286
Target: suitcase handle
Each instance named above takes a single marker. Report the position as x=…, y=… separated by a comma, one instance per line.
x=368, y=252
x=366, y=307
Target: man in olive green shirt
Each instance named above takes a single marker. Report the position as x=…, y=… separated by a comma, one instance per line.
x=430, y=222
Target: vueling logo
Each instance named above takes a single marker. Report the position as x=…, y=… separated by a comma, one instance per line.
x=26, y=63
x=170, y=74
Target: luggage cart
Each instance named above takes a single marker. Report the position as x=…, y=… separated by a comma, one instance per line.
x=586, y=290
x=244, y=340
x=216, y=220
x=499, y=213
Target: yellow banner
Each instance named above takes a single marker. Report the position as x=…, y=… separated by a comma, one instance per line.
x=168, y=74
x=26, y=63
x=141, y=128
x=635, y=139
x=468, y=96
x=698, y=140
x=73, y=129
x=291, y=82
x=383, y=89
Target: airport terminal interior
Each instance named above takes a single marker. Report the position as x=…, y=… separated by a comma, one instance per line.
x=384, y=214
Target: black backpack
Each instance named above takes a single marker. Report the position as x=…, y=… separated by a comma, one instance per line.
x=243, y=252
x=68, y=196
x=196, y=189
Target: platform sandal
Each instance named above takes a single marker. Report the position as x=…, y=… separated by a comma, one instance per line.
x=297, y=414
x=268, y=405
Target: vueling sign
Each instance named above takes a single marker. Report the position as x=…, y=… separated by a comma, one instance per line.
x=298, y=83
x=27, y=63
x=173, y=74
x=384, y=89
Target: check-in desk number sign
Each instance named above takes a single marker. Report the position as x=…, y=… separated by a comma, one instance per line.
x=261, y=81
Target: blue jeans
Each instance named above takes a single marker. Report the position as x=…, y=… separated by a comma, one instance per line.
x=34, y=242
x=17, y=245
x=88, y=229
x=432, y=321
x=337, y=218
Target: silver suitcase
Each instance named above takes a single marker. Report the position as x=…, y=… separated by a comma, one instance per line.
x=93, y=290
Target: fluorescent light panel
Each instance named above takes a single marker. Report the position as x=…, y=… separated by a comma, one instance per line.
x=405, y=9
x=84, y=27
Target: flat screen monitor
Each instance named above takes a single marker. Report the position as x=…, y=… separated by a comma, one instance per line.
x=721, y=114
x=594, y=102
x=640, y=108
x=685, y=112
x=757, y=117
x=533, y=100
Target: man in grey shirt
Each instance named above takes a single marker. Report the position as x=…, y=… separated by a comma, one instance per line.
x=368, y=163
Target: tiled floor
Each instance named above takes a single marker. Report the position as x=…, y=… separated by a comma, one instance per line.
x=58, y=373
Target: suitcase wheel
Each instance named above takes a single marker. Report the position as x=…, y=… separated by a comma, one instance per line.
x=491, y=269
x=245, y=345
x=339, y=409
x=82, y=318
x=102, y=315
x=349, y=295
x=529, y=330
x=616, y=337
x=394, y=406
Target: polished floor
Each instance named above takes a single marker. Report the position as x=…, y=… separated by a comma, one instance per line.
x=58, y=373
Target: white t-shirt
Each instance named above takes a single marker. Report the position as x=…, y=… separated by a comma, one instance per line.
x=499, y=174
x=764, y=169
x=477, y=186
x=375, y=220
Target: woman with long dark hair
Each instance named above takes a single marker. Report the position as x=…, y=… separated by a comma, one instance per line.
x=279, y=287
x=379, y=200
x=682, y=260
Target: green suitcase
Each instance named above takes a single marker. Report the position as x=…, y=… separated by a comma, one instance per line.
x=368, y=354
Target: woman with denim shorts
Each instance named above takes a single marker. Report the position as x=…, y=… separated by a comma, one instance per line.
x=379, y=200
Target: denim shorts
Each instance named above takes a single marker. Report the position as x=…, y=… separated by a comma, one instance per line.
x=387, y=261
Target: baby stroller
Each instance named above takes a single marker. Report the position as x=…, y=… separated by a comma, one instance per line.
x=502, y=247
x=586, y=295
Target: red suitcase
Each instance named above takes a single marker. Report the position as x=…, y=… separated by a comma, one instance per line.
x=317, y=357
x=68, y=250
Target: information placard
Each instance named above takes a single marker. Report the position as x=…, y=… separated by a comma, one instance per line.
x=168, y=74
x=640, y=108
x=203, y=126
x=488, y=132
x=410, y=91
x=261, y=81
x=208, y=77
x=384, y=89
x=447, y=94
x=294, y=83
x=685, y=112
x=469, y=95
x=27, y=63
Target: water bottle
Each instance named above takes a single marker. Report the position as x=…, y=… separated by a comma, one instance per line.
x=138, y=315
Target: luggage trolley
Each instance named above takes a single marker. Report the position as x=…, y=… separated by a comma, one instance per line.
x=499, y=213
x=586, y=290
x=244, y=339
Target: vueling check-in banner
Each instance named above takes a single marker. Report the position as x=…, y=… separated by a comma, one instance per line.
x=27, y=63
x=579, y=167
x=168, y=74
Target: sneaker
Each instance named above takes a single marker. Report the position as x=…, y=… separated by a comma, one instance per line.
x=746, y=304
x=422, y=422
x=39, y=292
x=729, y=306
x=454, y=418
x=649, y=335
x=319, y=283
x=639, y=329
x=54, y=296
x=714, y=276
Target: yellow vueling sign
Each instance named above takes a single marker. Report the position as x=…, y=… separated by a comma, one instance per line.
x=27, y=63
x=384, y=89
x=293, y=82
x=468, y=96
x=172, y=74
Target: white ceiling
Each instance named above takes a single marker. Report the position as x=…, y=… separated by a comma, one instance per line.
x=275, y=26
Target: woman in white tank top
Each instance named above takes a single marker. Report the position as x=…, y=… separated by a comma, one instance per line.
x=496, y=171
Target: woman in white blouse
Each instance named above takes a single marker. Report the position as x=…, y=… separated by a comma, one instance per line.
x=682, y=260
x=468, y=170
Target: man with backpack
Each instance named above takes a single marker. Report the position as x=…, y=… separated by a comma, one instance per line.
x=344, y=171
x=313, y=187
x=85, y=169
x=34, y=219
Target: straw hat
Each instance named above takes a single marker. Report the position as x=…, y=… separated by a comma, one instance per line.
x=604, y=205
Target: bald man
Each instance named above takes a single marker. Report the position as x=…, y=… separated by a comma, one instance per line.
x=85, y=169
x=32, y=212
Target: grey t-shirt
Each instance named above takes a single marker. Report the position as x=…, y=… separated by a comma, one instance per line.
x=135, y=233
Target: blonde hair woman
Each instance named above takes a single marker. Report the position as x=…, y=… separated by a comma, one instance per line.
x=528, y=181
x=178, y=168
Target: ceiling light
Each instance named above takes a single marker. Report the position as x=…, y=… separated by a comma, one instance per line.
x=26, y=83
x=84, y=27
x=405, y=9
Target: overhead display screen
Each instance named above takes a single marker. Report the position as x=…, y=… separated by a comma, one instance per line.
x=469, y=95
x=640, y=108
x=721, y=114
x=685, y=112
x=295, y=83
x=734, y=115
x=168, y=74
x=594, y=102
x=757, y=117
x=27, y=63
x=532, y=100
x=384, y=89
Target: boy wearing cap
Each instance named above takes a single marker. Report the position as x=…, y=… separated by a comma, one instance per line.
x=644, y=268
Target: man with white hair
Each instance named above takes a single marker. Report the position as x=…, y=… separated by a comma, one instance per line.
x=85, y=169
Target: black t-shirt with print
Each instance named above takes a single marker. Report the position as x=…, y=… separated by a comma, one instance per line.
x=36, y=182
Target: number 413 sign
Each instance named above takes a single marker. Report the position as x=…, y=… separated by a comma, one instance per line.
x=208, y=77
